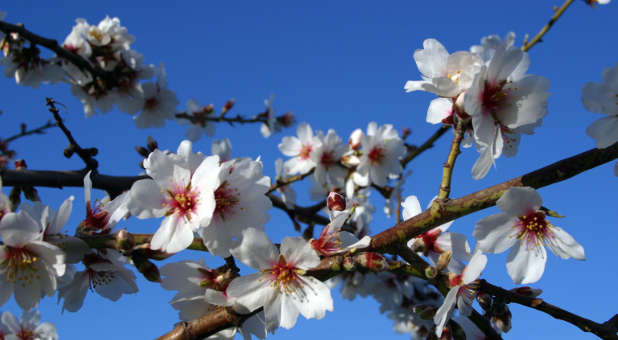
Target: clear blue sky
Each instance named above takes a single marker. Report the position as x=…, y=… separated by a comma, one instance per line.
x=336, y=65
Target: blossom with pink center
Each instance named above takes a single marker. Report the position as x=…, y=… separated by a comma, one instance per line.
x=105, y=273
x=436, y=241
x=28, y=328
x=102, y=216
x=603, y=98
x=382, y=150
x=523, y=227
x=326, y=156
x=503, y=102
x=156, y=101
x=280, y=286
x=462, y=292
x=29, y=266
x=240, y=203
x=301, y=148
x=178, y=190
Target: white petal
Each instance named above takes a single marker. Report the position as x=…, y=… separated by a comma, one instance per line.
x=290, y=146
x=16, y=230
x=61, y=217
x=564, y=245
x=256, y=250
x=474, y=268
x=604, y=131
x=526, y=265
x=519, y=201
x=299, y=252
x=496, y=233
x=249, y=291
x=173, y=236
x=411, y=207
x=439, y=109
x=443, y=314
x=317, y=299
x=87, y=187
x=146, y=199
x=305, y=133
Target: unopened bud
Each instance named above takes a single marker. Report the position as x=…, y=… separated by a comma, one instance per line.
x=20, y=164
x=31, y=194
x=431, y=272
x=15, y=197
x=124, y=240
x=355, y=139
x=142, y=151
x=152, y=144
x=336, y=202
x=69, y=151
x=287, y=119
x=405, y=133
x=372, y=261
x=484, y=300
x=92, y=151
x=443, y=260
x=527, y=291
x=502, y=321
x=348, y=263
x=228, y=106
x=22, y=127
x=146, y=267
x=208, y=109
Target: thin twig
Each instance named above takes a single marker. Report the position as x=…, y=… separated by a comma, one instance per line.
x=426, y=145
x=200, y=119
x=447, y=170
x=37, y=131
x=281, y=183
x=84, y=154
x=604, y=331
x=554, y=18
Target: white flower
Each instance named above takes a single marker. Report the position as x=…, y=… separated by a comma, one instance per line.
x=240, y=203
x=29, y=266
x=326, y=156
x=195, y=130
x=157, y=102
x=105, y=273
x=280, y=286
x=444, y=74
x=52, y=223
x=523, y=227
x=436, y=241
x=382, y=149
x=603, y=98
x=461, y=293
x=29, y=327
x=300, y=148
x=102, y=216
x=76, y=40
x=503, y=102
x=5, y=204
x=222, y=148
x=178, y=191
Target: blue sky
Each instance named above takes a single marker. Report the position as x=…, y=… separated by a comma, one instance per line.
x=336, y=65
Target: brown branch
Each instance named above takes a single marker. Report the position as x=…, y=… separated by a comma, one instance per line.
x=53, y=45
x=281, y=183
x=426, y=145
x=37, y=131
x=84, y=154
x=199, y=119
x=603, y=331
x=388, y=240
x=537, y=38
x=447, y=170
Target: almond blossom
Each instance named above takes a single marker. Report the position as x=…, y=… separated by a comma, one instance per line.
x=156, y=101
x=444, y=74
x=102, y=216
x=326, y=156
x=183, y=194
x=523, y=227
x=462, y=292
x=240, y=203
x=503, y=103
x=603, y=98
x=29, y=266
x=281, y=286
x=382, y=150
x=300, y=148
x=105, y=273
x=28, y=328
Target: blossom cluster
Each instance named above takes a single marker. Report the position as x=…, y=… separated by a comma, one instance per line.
x=28, y=328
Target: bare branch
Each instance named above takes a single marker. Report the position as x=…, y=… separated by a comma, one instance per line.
x=537, y=38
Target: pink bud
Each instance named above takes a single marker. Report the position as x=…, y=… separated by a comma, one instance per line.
x=20, y=164
x=527, y=291
x=336, y=202
x=355, y=139
x=405, y=132
x=287, y=119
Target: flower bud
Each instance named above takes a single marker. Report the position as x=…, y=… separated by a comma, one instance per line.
x=484, y=300
x=20, y=164
x=372, y=261
x=228, y=106
x=348, y=263
x=142, y=151
x=124, y=240
x=336, y=202
x=355, y=139
x=502, y=317
x=152, y=144
x=287, y=119
x=405, y=132
x=146, y=267
x=431, y=272
x=443, y=260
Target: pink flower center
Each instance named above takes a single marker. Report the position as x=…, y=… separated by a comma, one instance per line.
x=429, y=240
x=376, y=155
x=284, y=275
x=182, y=201
x=327, y=159
x=25, y=334
x=227, y=198
x=493, y=97
x=211, y=279
x=97, y=218
x=21, y=266
x=305, y=151
x=150, y=103
x=533, y=228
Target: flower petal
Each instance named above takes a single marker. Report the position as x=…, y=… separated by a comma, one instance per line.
x=564, y=245
x=496, y=233
x=526, y=265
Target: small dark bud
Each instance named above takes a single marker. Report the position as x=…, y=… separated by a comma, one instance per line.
x=142, y=151
x=152, y=144
x=20, y=164
x=405, y=133
x=69, y=151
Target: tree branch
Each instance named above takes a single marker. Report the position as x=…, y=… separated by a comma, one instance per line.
x=426, y=145
x=604, y=331
x=447, y=170
x=537, y=38
x=37, y=131
x=452, y=209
